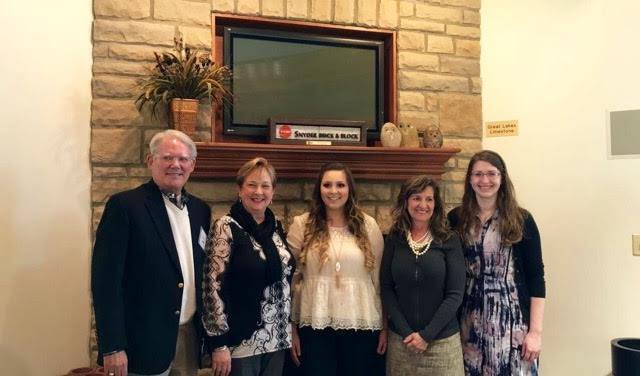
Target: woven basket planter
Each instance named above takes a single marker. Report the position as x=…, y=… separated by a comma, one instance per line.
x=183, y=115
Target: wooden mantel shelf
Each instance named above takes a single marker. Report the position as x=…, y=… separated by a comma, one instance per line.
x=222, y=160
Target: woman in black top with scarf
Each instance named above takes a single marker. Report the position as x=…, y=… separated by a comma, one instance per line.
x=422, y=280
x=247, y=281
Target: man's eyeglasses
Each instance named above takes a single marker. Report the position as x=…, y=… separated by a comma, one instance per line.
x=489, y=174
x=168, y=159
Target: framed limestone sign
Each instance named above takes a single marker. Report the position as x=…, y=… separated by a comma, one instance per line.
x=317, y=132
x=501, y=128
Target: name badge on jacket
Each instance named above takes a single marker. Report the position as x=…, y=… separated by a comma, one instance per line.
x=202, y=238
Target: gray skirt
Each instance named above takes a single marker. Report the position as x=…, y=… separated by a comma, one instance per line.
x=442, y=358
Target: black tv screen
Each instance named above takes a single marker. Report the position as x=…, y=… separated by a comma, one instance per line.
x=301, y=76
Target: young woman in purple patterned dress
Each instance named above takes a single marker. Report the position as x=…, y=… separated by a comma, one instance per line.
x=503, y=305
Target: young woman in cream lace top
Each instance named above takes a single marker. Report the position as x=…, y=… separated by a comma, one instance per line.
x=336, y=301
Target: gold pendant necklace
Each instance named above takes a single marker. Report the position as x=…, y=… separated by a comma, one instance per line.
x=339, y=238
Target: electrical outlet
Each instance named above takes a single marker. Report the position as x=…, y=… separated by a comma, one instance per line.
x=635, y=240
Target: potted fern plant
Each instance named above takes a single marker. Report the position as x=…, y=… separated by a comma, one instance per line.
x=179, y=82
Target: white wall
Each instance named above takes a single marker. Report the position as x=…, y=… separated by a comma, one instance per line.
x=45, y=96
x=557, y=66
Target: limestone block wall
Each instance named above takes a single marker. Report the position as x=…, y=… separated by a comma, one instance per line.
x=438, y=84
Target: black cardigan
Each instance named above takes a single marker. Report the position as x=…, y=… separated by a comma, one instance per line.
x=422, y=294
x=527, y=256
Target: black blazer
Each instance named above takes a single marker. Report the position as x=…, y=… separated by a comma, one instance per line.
x=136, y=279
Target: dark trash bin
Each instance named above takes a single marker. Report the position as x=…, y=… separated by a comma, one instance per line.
x=625, y=356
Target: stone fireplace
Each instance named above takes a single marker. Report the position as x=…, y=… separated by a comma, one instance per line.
x=438, y=83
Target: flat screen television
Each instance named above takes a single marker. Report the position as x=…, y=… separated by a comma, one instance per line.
x=301, y=76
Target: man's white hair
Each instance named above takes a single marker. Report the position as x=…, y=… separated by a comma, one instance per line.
x=172, y=133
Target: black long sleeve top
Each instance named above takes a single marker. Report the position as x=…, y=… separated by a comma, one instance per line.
x=422, y=294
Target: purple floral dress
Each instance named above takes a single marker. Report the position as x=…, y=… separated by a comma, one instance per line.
x=492, y=325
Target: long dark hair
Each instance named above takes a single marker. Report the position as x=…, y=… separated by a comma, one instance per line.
x=401, y=218
x=316, y=234
x=511, y=216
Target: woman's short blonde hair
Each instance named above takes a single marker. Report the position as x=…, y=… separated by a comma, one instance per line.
x=255, y=164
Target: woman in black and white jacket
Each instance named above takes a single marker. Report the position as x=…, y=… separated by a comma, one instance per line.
x=247, y=279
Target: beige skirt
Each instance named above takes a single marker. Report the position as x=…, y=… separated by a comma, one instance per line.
x=442, y=358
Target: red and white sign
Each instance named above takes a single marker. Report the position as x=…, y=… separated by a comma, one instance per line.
x=317, y=133
x=284, y=131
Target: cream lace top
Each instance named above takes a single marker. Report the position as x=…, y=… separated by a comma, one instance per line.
x=342, y=293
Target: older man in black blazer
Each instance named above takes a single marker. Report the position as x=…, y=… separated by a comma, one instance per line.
x=147, y=268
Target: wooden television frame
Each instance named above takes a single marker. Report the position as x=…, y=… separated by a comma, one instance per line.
x=222, y=157
x=219, y=21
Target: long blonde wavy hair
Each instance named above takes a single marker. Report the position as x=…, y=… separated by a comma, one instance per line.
x=316, y=233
